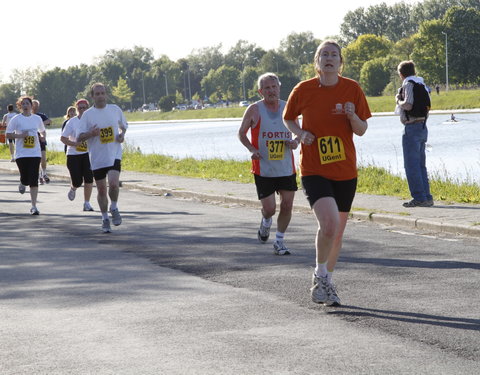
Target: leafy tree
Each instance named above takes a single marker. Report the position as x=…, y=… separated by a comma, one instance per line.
x=166, y=103
x=436, y=9
x=25, y=80
x=365, y=48
x=429, y=51
x=299, y=48
x=8, y=95
x=375, y=75
x=463, y=35
x=202, y=60
x=122, y=92
x=243, y=54
x=225, y=82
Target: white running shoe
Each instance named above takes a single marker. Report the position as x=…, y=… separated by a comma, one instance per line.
x=279, y=248
x=332, y=299
x=263, y=233
x=34, y=211
x=87, y=207
x=106, y=226
x=319, y=290
x=116, y=218
x=71, y=194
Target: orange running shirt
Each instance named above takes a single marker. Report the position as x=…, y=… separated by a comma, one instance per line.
x=332, y=155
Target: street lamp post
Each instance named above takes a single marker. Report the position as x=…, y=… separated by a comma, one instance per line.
x=143, y=89
x=189, y=87
x=166, y=84
x=446, y=60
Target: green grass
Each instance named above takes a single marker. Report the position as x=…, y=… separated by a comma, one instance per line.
x=371, y=179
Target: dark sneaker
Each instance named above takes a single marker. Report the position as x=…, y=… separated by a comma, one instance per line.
x=41, y=180
x=415, y=203
x=263, y=233
x=116, y=218
x=106, y=226
x=34, y=211
x=279, y=248
x=46, y=178
x=21, y=188
x=319, y=290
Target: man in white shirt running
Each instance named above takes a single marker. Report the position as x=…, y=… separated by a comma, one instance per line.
x=103, y=126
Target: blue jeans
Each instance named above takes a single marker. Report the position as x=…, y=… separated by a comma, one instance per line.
x=413, y=142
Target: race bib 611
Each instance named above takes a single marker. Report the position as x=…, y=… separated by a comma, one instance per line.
x=331, y=149
x=106, y=135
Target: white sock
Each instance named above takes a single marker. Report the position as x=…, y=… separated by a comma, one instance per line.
x=329, y=276
x=266, y=222
x=104, y=215
x=113, y=206
x=321, y=270
x=279, y=236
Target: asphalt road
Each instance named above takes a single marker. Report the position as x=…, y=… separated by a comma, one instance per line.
x=185, y=287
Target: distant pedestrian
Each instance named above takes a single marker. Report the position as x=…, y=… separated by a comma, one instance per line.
x=6, y=119
x=28, y=129
x=78, y=162
x=103, y=126
x=333, y=109
x=43, y=143
x=413, y=100
x=437, y=89
x=273, y=166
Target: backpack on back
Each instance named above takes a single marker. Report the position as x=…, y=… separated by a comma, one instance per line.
x=421, y=101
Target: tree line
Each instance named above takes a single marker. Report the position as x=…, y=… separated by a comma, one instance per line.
x=374, y=41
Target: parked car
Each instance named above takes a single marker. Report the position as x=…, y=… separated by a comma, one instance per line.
x=243, y=103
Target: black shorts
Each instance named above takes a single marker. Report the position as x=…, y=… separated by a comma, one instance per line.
x=28, y=168
x=100, y=174
x=79, y=168
x=316, y=187
x=266, y=186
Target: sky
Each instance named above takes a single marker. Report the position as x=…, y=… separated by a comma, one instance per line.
x=63, y=33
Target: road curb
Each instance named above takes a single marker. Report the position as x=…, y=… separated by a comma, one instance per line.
x=390, y=219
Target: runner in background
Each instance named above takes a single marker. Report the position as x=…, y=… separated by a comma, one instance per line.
x=273, y=165
x=28, y=129
x=103, y=126
x=78, y=162
x=43, y=144
x=6, y=119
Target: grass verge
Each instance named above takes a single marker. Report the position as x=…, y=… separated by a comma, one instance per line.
x=371, y=180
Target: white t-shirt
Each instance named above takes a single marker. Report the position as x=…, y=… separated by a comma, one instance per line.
x=9, y=116
x=103, y=149
x=70, y=132
x=29, y=146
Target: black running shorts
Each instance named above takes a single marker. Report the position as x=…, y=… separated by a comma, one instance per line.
x=316, y=187
x=266, y=186
x=100, y=174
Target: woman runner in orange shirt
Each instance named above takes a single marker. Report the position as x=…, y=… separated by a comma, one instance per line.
x=333, y=108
